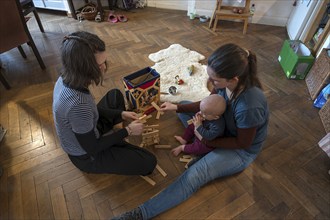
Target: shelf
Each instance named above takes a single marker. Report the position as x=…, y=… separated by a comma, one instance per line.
x=319, y=30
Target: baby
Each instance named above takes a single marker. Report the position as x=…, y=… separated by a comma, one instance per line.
x=207, y=124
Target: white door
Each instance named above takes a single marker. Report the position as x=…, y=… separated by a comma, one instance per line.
x=299, y=17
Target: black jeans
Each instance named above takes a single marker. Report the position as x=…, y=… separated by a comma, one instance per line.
x=122, y=158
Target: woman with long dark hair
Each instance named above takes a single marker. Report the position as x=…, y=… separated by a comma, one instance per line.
x=86, y=129
x=232, y=71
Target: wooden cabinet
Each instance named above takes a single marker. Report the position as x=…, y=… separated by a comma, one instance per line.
x=316, y=35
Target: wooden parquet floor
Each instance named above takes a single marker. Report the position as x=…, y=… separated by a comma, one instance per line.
x=289, y=180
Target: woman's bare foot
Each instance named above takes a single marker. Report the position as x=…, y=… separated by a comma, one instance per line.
x=180, y=139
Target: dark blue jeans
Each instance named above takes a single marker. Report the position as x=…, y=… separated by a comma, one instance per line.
x=218, y=163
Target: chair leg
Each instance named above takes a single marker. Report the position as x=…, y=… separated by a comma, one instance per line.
x=3, y=80
x=38, y=20
x=212, y=20
x=20, y=48
x=215, y=23
x=37, y=54
x=245, y=26
x=214, y=13
x=72, y=9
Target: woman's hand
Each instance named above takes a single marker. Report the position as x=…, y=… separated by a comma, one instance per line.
x=135, y=128
x=168, y=106
x=129, y=116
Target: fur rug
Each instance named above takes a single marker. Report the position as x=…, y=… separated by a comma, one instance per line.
x=173, y=61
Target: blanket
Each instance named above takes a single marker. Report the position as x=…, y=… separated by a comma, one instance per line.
x=174, y=61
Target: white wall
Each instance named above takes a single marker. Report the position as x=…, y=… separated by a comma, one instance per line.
x=168, y=4
x=271, y=12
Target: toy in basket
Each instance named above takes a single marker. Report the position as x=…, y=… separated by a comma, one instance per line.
x=141, y=89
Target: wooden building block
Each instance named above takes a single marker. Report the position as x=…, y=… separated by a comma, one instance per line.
x=149, y=180
x=155, y=106
x=143, y=118
x=152, y=126
x=151, y=133
x=185, y=160
x=158, y=115
x=161, y=170
x=159, y=111
x=163, y=146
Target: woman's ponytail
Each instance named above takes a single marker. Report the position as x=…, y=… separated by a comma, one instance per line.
x=252, y=62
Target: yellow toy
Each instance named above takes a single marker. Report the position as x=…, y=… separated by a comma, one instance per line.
x=190, y=69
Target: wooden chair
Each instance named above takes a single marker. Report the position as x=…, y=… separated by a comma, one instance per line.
x=226, y=12
x=14, y=33
x=28, y=7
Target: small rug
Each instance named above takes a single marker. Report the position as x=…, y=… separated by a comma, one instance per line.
x=174, y=61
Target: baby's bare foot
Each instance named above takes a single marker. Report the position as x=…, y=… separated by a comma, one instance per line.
x=180, y=139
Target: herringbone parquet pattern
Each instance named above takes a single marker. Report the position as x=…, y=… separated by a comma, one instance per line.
x=288, y=180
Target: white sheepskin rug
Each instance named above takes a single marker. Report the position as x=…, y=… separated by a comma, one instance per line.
x=173, y=61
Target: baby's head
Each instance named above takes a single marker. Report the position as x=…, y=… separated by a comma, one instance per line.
x=212, y=107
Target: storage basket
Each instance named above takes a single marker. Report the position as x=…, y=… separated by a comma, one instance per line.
x=89, y=12
x=325, y=115
x=319, y=75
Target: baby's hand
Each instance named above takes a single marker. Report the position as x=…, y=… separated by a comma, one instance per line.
x=176, y=151
x=197, y=120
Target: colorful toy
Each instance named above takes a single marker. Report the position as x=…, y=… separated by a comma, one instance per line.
x=178, y=80
x=142, y=88
x=172, y=90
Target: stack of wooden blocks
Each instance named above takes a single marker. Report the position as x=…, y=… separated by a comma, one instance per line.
x=150, y=135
